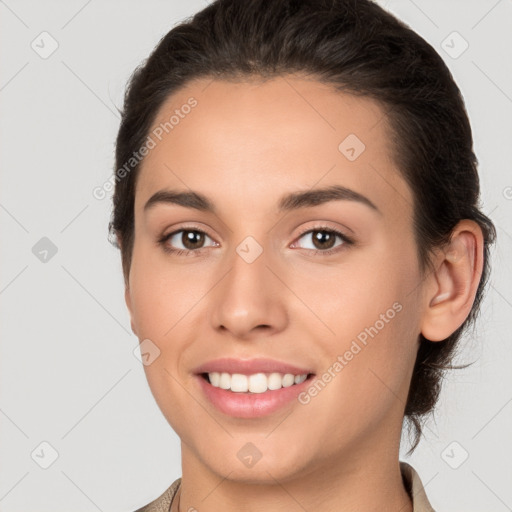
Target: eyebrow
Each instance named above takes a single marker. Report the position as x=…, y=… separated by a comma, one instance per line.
x=288, y=202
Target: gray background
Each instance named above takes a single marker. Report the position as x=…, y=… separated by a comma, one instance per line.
x=68, y=373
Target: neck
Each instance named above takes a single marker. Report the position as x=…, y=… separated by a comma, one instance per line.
x=368, y=481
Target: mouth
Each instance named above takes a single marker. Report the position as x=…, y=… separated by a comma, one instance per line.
x=254, y=395
x=255, y=383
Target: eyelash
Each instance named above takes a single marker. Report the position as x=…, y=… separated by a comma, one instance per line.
x=347, y=241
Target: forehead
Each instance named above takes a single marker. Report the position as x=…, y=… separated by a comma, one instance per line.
x=248, y=142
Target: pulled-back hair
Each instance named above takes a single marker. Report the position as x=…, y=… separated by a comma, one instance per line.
x=356, y=47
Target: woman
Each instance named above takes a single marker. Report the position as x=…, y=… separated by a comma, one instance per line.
x=256, y=133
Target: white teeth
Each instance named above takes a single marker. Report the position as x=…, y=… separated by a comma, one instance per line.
x=215, y=379
x=275, y=381
x=288, y=380
x=300, y=378
x=239, y=382
x=225, y=381
x=255, y=383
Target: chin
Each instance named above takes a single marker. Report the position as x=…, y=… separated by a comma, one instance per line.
x=256, y=461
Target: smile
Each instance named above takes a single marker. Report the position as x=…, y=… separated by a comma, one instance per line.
x=237, y=401
x=255, y=383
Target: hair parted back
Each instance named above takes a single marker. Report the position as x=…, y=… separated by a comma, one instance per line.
x=356, y=47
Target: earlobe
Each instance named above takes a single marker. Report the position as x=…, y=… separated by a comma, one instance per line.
x=454, y=284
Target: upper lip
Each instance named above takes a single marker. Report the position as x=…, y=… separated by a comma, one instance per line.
x=250, y=366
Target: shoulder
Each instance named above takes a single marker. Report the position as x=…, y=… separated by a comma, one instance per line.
x=163, y=502
x=415, y=488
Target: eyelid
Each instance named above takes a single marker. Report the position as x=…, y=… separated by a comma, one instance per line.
x=188, y=227
x=162, y=241
x=325, y=226
x=347, y=240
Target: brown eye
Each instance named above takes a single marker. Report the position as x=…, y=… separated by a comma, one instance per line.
x=192, y=239
x=185, y=241
x=324, y=240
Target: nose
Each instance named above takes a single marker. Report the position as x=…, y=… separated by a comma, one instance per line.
x=250, y=300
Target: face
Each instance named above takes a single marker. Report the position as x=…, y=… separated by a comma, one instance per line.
x=328, y=284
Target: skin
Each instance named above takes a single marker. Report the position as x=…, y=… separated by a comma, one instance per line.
x=245, y=145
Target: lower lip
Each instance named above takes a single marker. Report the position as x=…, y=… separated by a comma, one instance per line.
x=251, y=405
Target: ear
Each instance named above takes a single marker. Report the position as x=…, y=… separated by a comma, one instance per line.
x=451, y=289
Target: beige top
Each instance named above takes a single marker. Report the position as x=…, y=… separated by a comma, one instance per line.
x=411, y=480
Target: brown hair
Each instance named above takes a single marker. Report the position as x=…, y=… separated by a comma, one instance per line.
x=357, y=47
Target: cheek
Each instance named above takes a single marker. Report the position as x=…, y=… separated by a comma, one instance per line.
x=367, y=374
x=373, y=319
x=161, y=293
x=366, y=286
